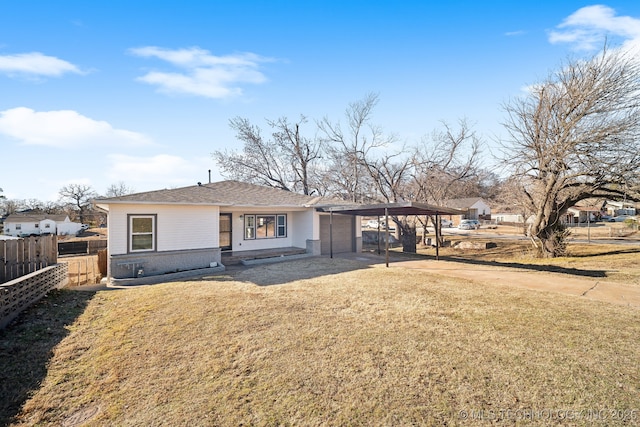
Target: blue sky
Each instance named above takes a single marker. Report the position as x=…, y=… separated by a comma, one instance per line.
x=142, y=91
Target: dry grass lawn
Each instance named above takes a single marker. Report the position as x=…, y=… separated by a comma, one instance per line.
x=618, y=263
x=336, y=343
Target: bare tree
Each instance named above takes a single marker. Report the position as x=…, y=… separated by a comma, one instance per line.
x=390, y=175
x=119, y=189
x=33, y=205
x=575, y=136
x=445, y=166
x=78, y=197
x=447, y=162
x=351, y=149
x=285, y=161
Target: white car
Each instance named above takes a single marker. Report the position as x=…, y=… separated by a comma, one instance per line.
x=446, y=223
x=622, y=218
x=469, y=224
x=372, y=223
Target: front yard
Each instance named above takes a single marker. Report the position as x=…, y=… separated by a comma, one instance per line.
x=321, y=342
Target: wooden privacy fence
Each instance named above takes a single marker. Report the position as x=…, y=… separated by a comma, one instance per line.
x=84, y=270
x=20, y=293
x=23, y=256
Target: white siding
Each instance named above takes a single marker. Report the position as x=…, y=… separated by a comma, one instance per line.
x=299, y=229
x=302, y=227
x=52, y=226
x=482, y=208
x=68, y=228
x=178, y=227
x=26, y=227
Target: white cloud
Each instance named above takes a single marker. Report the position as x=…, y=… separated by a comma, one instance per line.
x=203, y=74
x=35, y=64
x=587, y=28
x=63, y=129
x=159, y=171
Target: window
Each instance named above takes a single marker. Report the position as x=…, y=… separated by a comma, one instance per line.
x=281, y=230
x=142, y=233
x=18, y=226
x=47, y=225
x=249, y=227
x=265, y=226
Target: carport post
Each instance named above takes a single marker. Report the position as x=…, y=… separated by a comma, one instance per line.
x=330, y=233
x=379, y=251
x=386, y=243
x=437, y=227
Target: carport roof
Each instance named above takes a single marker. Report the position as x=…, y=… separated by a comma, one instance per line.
x=394, y=209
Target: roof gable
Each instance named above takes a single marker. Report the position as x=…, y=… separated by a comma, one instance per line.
x=464, y=203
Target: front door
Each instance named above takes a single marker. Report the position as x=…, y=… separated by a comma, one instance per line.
x=225, y=232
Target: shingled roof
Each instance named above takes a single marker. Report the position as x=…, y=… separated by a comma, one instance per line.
x=223, y=193
x=464, y=203
x=34, y=217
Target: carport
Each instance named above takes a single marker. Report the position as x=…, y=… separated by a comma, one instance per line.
x=390, y=209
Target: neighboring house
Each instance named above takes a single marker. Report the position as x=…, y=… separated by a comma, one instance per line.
x=188, y=228
x=508, y=217
x=35, y=224
x=614, y=208
x=475, y=207
x=582, y=214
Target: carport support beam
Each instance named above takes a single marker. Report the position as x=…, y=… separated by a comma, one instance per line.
x=386, y=243
x=438, y=231
x=330, y=233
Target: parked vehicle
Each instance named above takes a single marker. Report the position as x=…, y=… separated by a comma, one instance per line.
x=383, y=226
x=446, y=223
x=621, y=218
x=469, y=224
x=372, y=223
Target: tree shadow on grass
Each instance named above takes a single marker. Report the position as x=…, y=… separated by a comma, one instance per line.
x=531, y=267
x=616, y=252
x=280, y=273
x=27, y=343
x=515, y=265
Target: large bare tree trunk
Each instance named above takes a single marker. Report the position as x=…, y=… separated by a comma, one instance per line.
x=575, y=136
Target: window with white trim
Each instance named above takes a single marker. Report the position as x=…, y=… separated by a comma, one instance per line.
x=265, y=226
x=249, y=227
x=142, y=233
x=281, y=226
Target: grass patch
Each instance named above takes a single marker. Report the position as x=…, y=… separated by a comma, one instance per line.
x=617, y=263
x=354, y=346
x=27, y=344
